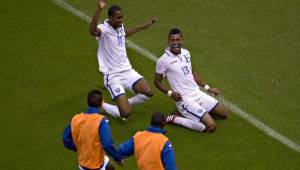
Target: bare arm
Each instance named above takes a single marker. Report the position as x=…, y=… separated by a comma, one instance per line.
x=201, y=83
x=198, y=80
x=138, y=28
x=157, y=81
x=93, y=26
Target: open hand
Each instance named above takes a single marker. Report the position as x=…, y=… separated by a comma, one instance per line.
x=175, y=96
x=214, y=91
x=102, y=4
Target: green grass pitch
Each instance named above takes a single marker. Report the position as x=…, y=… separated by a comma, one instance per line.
x=248, y=49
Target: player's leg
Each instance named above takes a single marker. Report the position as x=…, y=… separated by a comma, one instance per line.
x=213, y=106
x=185, y=122
x=140, y=86
x=208, y=121
x=117, y=92
x=219, y=111
x=123, y=106
x=191, y=110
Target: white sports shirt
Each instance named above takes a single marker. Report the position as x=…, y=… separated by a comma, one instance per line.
x=178, y=69
x=112, y=56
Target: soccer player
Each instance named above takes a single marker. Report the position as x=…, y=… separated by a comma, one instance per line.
x=195, y=107
x=151, y=148
x=114, y=63
x=88, y=134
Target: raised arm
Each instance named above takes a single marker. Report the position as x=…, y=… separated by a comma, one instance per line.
x=157, y=81
x=201, y=83
x=138, y=28
x=93, y=26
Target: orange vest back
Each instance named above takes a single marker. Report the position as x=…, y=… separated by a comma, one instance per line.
x=147, y=149
x=86, y=138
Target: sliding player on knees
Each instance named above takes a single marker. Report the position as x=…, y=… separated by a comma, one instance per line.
x=113, y=61
x=195, y=108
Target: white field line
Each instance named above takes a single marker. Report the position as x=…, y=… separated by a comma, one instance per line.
x=234, y=108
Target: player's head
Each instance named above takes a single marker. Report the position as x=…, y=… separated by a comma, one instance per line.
x=115, y=16
x=158, y=119
x=95, y=98
x=175, y=39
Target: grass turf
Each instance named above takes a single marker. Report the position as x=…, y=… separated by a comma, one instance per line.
x=48, y=65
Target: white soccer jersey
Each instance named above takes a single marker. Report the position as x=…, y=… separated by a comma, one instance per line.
x=112, y=56
x=178, y=69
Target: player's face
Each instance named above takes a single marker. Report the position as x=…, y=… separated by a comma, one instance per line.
x=175, y=42
x=117, y=19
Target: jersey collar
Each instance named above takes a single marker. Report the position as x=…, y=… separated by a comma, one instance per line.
x=92, y=110
x=156, y=130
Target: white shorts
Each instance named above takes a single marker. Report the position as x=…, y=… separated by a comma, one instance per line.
x=117, y=83
x=195, y=106
x=106, y=160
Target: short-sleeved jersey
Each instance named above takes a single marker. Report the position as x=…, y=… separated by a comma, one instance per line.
x=112, y=56
x=178, y=70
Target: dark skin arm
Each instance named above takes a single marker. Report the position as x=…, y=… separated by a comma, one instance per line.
x=93, y=26
x=201, y=83
x=138, y=28
x=157, y=81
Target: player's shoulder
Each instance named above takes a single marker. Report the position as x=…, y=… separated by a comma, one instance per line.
x=163, y=58
x=185, y=51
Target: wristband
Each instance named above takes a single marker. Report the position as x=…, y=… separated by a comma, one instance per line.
x=169, y=93
x=206, y=87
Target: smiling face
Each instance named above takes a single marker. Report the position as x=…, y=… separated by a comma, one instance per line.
x=175, y=43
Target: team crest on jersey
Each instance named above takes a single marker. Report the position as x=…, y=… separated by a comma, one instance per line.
x=200, y=110
x=117, y=90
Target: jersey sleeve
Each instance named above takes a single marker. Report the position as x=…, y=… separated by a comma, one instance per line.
x=168, y=157
x=103, y=30
x=161, y=66
x=68, y=139
x=107, y=141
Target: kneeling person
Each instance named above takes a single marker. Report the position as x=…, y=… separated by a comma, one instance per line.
x=196, y=107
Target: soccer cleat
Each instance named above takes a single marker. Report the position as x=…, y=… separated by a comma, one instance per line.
x=170, y=119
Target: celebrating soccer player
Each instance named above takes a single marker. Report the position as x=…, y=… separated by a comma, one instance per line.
x=195, y=108
x=113, y=61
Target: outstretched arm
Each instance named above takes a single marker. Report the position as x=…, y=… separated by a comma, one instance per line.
x=138, y=28
x=201, y=83
x=93, y=26
x=107, y=141
x=157, y=81
x=126, y=149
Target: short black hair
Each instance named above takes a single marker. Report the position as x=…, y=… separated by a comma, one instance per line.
x=112, y=10
x=94, y=98
x=175, y=31
x=158, y=119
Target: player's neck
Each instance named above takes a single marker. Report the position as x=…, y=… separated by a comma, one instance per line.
x=114, y=26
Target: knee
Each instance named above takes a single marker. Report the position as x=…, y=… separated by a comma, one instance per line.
x=211, y=127
x=125, y=113
x=149, y=93
x=225, y=114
